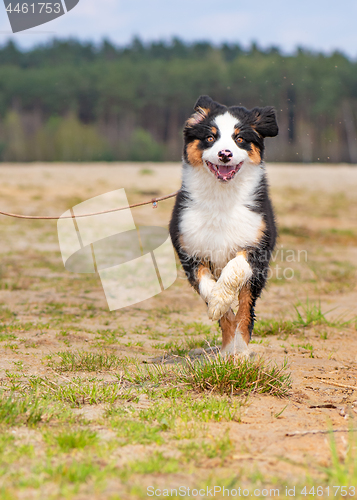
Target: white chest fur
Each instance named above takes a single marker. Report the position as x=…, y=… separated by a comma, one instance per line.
x=216, y=222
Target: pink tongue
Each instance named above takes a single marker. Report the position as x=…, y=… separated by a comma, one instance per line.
x=224, y=170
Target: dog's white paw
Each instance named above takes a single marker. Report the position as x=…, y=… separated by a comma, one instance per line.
x=219, y=302
x=237, y=348
x=244, y=356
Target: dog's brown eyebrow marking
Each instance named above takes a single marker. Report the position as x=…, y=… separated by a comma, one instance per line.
x=214, y=130
x=236, y=130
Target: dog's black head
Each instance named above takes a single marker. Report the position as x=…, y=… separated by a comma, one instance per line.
x=222, y=138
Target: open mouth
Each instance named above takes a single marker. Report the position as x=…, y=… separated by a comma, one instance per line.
x=224, y=172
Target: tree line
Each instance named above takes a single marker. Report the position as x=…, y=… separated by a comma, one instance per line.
x=74, y=101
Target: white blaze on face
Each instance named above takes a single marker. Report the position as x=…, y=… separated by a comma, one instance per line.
x=226, y=124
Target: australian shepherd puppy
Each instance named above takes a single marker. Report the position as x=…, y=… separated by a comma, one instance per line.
x=222, y=225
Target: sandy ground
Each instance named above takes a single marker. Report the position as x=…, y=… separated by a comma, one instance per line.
x=316, y=208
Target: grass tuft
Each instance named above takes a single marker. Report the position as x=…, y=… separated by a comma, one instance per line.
x=78, y=392
x=73, y=440
x=226, y=375
x=86, y=361
x=25, y=410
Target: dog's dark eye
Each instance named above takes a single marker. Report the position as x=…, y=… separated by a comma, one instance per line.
x=239, y=140
x=210, y=138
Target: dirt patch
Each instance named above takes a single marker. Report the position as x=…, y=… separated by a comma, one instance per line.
x=306, y=318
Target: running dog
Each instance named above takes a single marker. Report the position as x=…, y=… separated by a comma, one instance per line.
x=222, y=225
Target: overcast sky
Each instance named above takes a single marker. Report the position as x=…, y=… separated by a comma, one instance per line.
x=323, y=25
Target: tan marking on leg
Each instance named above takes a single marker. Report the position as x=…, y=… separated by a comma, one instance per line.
x=194, y=154
x=205, y=281
x=242, y=252
x=202, y=270
x=243, y=315
x=254, y=155
x=228, y=324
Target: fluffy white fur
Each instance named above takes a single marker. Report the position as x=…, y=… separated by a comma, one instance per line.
x=216, y=223
x=206, y=285
x=235, y=274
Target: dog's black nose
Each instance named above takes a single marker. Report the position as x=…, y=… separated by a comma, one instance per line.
x=225, y=155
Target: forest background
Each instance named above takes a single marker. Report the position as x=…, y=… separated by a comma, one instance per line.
x=68, y=100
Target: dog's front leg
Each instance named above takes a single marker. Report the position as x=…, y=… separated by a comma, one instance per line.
x=235, y=274
x=206, y=282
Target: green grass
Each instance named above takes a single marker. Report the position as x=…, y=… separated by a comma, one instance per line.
x=197, y=328
x=19, y=327
x=109, y=336
x=86, y=361
x=307, y=315
x=74, y=472
x=188, y=409
x=156, y=463
x=219, y=447
x=264, y=327
x=308, y=347
x=220, y=374
x=137, y=432
x=6, y=314
x=343, y=471
x=77, y=391
x=226, y=375
x=7, y=336
x=73, y=440
x=25, y=410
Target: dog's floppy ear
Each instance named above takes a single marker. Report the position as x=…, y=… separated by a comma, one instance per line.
x=264, y=121
x=202, y=107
